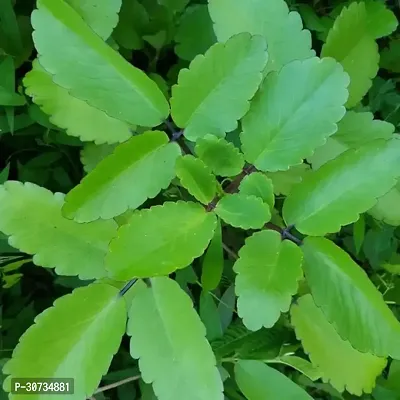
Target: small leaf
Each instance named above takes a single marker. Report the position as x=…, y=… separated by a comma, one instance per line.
x=349, y=299
x=221, y=156
x=61, y=37
x=258, y=184
x=390, y=57
x=137, y=170
x=283, y=181
x=213, y=261
x=209, y=315
x=92, y=154
x=8, y=97
x=359, y=233
x=387, y=208
x=380, y=20
x=337, y=193
x=350, y=43
x=165, y=238
x=268, y=271
x=196, y=178
x=227, y=70
x=242, y=211
x=301, y=365
x=339, y=363
x=283, y=30
x=167, y=337
x=31, y=216
x=278, y=118
x=258, y=381
x=76, y=338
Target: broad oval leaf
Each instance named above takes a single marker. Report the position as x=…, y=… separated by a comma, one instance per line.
x=349, y=299
x=258, y=184
x=258, y=381
x=338, y=192
x=76, y=338
x=74, y=115
x=160, y=240
x=31, y=216
x=137, y=170
x=168, y=338
x=305, y=115
x=350, y=42
x=230, y=70
x=387, y=209
x=380, y=20
x=337, y=361
x=268, y=270
x=61, y=37
x=196, y=178
x=242, y=211
x=283, y=30
x=221, y=156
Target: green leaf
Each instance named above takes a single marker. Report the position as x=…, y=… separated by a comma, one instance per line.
x=8, y=97
x=380, y=20
x=195, y=32
x=174, y=5
x=89, y=123
x=31, y=216
x=349, y=299
x=359, y=233
x=242, y=211
x=259, y=185
x=258, y=381
x=283, y=181
x=209, y=315
x=10, y=28
x=387, y=208
x=221, y=156
x=92, y=154
x=337, y=193
x=196, y=178
x=338, y=362
x=61, y=37
x=390, y=57
x=306, y=115
x=350, y=43
x=283, y=30
x=76, y=338
x=268, y=271
x=354, y=130
x=213, y=261
x=299, y=364
x=137, y=170
x=4, y=173
x=226, y=68
x=165, y=238
x=167, y=337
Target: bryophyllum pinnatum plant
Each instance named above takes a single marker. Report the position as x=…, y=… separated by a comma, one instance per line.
x=237, y=183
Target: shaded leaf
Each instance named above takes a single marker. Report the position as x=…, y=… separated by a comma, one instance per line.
x=268, y=271
x=283, y=181
x=359, y=233
x=31, y=216
x=167, y=337
x=390, y=57
x=92, y=154
x=137, y=170
x=208, y=312
x=338, y=362
x=226, y=68
x=259, y=185
x=300, y=364
x=387, y=208
x=165, y=238
x=306, y=115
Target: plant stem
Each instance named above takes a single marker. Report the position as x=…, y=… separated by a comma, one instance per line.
x=127, y=286
x=116, y=384
x=230, y=251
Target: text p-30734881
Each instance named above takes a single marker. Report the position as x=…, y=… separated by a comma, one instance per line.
x=42, y=385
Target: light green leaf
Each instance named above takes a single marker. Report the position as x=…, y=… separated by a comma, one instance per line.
x=300, y=364
x=61, y=37
x=258, y=381
x=76, y=338
x=337, y=193
x=283, y=181
x=284, y=126
x=259, y=185
x=242, y=211
x=137, y=170
x=165, y=238
x=230, y=70
x=283, y=30
x=380, y=20
x=350, y=43
x=195, y=32
x=387, y=209
x=338, y=362
x=31, y=216
x=349, y=299
x=354, y=130
x=168, y=338
x=88, y=123
x=221, y=156
x=268, y=271
x=92, y=154
x=196, y=178
x=213, y=261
